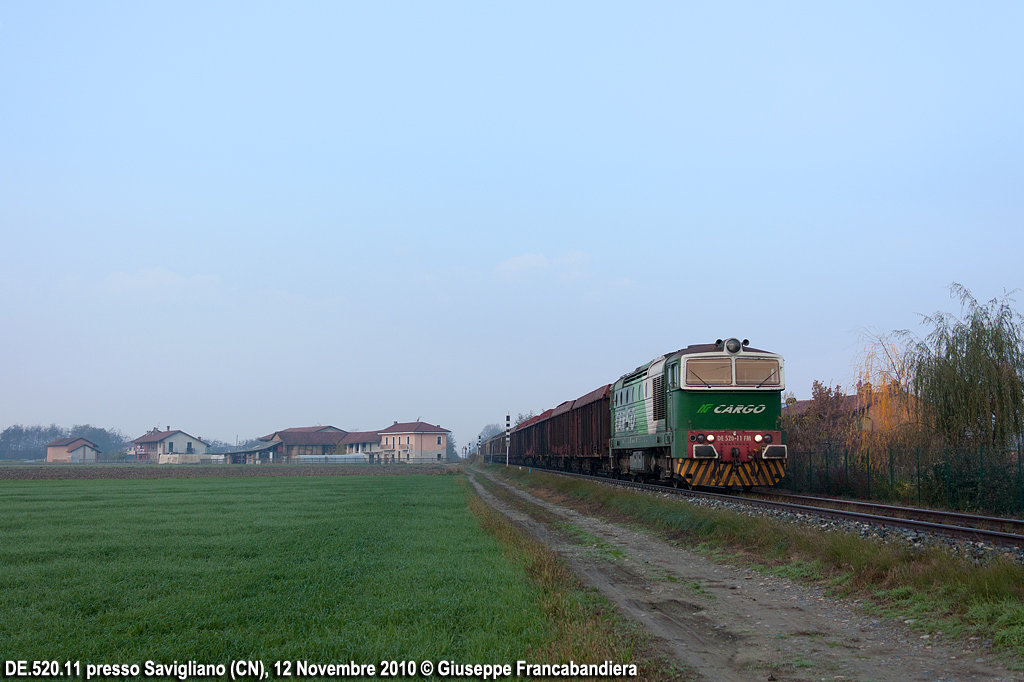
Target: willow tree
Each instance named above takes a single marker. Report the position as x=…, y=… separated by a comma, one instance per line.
x=884, y=398
x=967, y=373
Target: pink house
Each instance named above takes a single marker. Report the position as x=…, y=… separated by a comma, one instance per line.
x=413, y=443
x=71, y=450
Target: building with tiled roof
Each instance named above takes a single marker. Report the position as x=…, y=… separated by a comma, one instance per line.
x=308, y=441
x=71, y=450
x=414, y=443
x=366, y=443
x=171, y=446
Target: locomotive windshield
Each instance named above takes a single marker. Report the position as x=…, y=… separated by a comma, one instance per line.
x=757, y=372
x=710, y=372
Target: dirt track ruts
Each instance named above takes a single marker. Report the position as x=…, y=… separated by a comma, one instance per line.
x=728, y=624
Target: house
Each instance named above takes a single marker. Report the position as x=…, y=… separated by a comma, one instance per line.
x=168, y=447
x=307, y=441
x=414, y=443
x=71, y=450
x=366, y=443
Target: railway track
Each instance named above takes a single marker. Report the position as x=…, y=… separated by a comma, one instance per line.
x=991, y=530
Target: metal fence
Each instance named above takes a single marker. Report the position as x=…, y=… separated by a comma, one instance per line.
x=979, y=479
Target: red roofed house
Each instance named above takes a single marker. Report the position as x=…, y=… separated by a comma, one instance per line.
x=317, y=441
x=414, y=442
x=366, y=443
x=71, y=450
x=168, y=447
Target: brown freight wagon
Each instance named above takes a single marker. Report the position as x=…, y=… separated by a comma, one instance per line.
x=571, y=437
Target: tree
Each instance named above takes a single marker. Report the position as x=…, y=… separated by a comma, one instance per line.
x=968, y=374
x=828, y=421
x=452, y=453
x=490, y=431
x=520, y=418
x=29, y=442
x=884, y=398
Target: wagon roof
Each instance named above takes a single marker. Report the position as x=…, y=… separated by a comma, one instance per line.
x=562, y=408
x=593, y=396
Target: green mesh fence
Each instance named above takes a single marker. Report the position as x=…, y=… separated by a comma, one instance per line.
x=976, y=479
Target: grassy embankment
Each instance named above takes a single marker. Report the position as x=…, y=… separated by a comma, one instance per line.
x=940, y=591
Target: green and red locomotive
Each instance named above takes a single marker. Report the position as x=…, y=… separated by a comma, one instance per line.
x=706, y=415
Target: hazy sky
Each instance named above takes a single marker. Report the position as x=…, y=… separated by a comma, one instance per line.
x=236, y=217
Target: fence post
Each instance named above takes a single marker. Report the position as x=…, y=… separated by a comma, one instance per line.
x=868, y=455
x=1020, y=476
x=846, y=472
x=827, y=491
x=892, y=477
x=981, y=472
x=948, y=504
x=810, y=471
x=918, y=475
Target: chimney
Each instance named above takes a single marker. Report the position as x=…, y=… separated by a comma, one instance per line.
x=396, y=422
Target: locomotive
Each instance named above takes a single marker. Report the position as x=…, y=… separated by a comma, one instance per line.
x=706, y=415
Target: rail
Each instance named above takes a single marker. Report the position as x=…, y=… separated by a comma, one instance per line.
x=949, y=530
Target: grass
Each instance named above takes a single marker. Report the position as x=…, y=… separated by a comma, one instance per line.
x=325, y=569
x=585, y=626
x=940, y=591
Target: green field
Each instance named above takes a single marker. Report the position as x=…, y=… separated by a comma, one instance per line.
x=326, y=569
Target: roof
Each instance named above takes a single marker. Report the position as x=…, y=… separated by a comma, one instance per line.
x=62, y=442
x=847, y=403
x=257, y=448
x=714, y=348
x=595, y=395
x=414, y=427
x=361, y=437
x=303, y=429
x=155, y=436
x=309, y=437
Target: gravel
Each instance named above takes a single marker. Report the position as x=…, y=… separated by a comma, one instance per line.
x=977, y=552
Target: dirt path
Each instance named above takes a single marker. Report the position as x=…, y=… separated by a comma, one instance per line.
x=735, y=625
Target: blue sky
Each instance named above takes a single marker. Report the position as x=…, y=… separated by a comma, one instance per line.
x=233, y=218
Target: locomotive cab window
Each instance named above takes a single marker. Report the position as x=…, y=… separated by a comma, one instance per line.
x=757, y=372
x=709, y=372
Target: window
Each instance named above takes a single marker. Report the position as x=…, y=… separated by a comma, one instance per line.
x=757, y=372
x=439, y=442
x=188, y=447
x=709, y=372
x=407, y=440
x=170, y=446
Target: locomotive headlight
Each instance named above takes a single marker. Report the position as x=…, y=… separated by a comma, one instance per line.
x=733, y=345
x=711, y=438
x=757, y=438
x=700, y=438
x=767, y=438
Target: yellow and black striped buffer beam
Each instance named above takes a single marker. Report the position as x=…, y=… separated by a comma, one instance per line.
x=713, y=472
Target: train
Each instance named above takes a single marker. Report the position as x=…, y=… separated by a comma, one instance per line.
x=708, y=415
